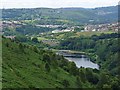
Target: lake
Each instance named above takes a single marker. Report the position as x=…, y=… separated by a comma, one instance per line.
x=83, y=62
x=79, y=59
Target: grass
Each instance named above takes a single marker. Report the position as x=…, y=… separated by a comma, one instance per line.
x=92, y=33
x=41, y=38
x=65, y=35
x=26, y=70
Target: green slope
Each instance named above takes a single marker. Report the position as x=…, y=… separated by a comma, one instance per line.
x=23, y=67
x=26, y=66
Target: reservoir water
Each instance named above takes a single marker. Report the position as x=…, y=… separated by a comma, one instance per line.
x=79, y=59
x=83, y=62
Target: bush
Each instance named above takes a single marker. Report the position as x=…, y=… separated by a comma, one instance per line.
x=46, y=57
x=65, y=83
x=47, y=67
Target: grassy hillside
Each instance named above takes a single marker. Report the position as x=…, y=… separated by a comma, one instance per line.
x=28, y=67
x=25, y=66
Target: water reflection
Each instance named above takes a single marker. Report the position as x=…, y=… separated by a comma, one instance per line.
x=79, y=59
x=83, y=62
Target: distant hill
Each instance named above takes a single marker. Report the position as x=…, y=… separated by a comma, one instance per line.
x=64, y=15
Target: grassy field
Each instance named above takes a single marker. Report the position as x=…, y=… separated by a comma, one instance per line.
x=92, y=33
x=41, y=38
x=60, y=36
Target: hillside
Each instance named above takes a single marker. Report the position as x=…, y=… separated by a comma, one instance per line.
x=28, y=67
x=64, y=15
x=24, y=68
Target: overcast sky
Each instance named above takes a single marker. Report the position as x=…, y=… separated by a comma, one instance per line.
x=56, y=3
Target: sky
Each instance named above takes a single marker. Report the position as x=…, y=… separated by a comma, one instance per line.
x=56, y=3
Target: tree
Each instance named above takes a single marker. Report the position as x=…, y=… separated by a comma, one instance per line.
x=91, y=76
x=46, y=57
x=54, y=60
x=104, y=80
x=47, y=67
x=82, y=74
x=36, y=49
x=21, y=46
x=7, y=44
x=65, y=83
x=79, y=82
x=35, y=40
x=73, y=69
x=21, y=38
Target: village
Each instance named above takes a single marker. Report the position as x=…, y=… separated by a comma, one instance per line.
x=59, y=29
x=87, y=28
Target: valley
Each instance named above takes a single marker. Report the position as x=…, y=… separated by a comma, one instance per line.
x=61, y=48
